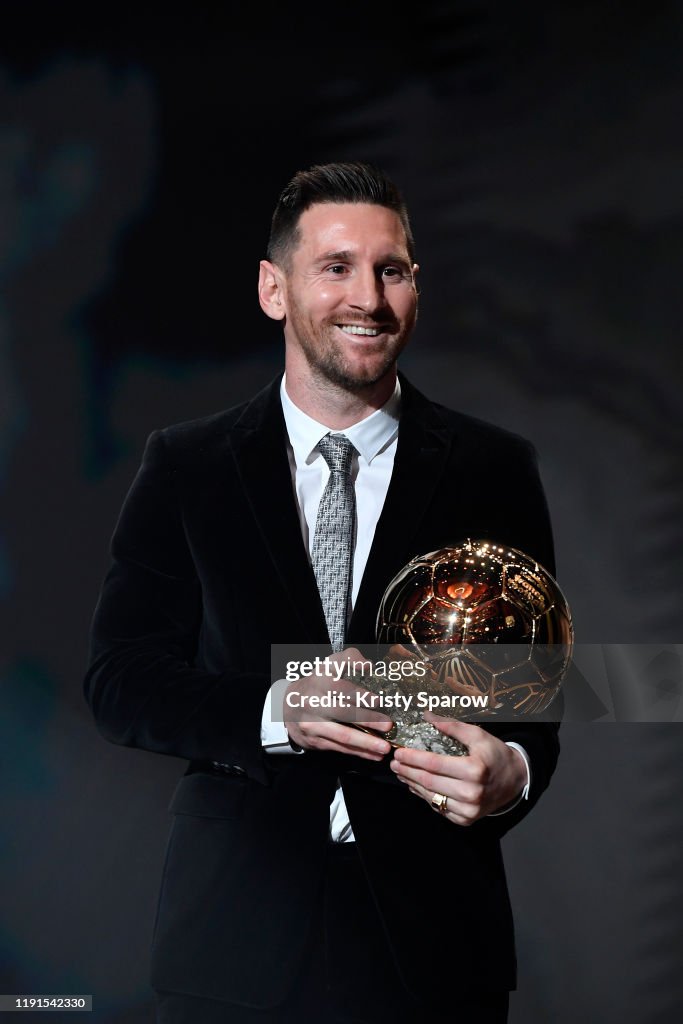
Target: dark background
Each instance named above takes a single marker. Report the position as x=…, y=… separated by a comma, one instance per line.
x=141, y=154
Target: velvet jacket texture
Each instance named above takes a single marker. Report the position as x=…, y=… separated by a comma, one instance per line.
x=209, y=568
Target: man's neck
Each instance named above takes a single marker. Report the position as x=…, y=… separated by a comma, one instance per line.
x=334, y=406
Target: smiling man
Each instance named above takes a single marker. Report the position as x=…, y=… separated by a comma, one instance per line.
x=311, y=874
x=348, y=300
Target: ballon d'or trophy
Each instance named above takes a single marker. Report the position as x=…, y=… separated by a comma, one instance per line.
x=485, y=621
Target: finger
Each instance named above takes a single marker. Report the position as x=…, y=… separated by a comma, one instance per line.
x=326, y=745
x=329, y=735
x=369, y=719
x=428, y=781
x=346, y=711
x=470, y=768
x=380, y=724
x=463, y=817
x=467, y=733
x=341, y=748
x=455, y=811
x=463, y=792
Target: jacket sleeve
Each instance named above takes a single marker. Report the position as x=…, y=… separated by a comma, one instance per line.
x=142, y=684
x=542, y=745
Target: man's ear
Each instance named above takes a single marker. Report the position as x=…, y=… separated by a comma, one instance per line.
x=270, y=290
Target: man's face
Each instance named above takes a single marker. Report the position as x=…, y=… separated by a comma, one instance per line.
x=349, y=294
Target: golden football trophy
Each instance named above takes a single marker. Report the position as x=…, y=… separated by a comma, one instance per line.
x=490, y=626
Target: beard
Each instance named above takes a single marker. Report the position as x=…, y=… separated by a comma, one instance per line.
x=332, y=362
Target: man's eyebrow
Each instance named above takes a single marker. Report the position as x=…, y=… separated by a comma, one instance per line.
x=346, y=254
x=341, y=254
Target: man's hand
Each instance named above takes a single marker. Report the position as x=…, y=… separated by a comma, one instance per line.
x=476, y=785
x=316, y=728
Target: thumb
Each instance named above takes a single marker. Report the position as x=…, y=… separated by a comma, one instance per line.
x=464, y=731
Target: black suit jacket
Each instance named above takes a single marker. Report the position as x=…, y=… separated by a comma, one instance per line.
x=209, y=568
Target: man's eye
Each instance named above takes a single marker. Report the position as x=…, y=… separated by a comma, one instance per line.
x=337, y=268
x=392, y=272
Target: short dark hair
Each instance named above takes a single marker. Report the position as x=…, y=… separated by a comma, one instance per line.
x=331, y=183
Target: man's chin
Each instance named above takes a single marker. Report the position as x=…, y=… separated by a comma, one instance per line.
x=357, y=380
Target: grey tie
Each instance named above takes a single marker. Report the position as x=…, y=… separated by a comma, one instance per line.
x=332, y=554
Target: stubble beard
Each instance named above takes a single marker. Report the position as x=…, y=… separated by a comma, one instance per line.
x=330, y=365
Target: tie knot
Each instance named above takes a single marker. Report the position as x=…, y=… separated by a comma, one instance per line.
x=337, y=451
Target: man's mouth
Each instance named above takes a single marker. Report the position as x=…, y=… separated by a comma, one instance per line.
x=371, y=332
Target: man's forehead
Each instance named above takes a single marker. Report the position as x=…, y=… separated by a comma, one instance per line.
x=346, y=227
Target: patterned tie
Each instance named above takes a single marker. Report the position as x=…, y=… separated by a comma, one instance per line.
x=332, y=554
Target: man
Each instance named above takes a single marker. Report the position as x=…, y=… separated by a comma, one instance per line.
x=310, y=873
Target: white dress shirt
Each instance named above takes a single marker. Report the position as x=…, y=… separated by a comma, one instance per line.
x=374, y=439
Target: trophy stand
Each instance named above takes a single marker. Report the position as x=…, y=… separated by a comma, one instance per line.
x=410, y=729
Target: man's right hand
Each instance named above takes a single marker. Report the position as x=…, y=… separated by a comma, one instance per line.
x=316, y=728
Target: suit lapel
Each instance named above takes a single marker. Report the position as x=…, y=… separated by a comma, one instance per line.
x=259, y=447
x=422, y=452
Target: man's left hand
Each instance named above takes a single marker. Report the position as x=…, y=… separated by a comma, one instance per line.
x=481, y=783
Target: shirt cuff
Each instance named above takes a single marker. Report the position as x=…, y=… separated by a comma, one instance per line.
x=274, y=735
x=524, y=795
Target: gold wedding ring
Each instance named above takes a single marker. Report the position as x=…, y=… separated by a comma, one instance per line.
x=440, y=803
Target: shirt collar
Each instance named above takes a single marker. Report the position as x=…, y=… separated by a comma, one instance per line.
x=369, y=436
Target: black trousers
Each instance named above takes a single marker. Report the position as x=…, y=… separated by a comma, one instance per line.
x=349, y=975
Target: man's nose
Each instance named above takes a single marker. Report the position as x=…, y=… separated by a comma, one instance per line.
x=366, y=291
